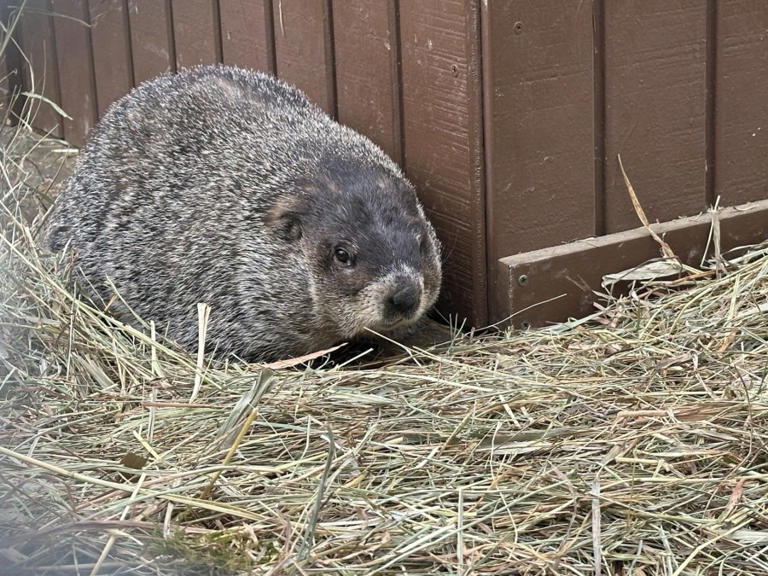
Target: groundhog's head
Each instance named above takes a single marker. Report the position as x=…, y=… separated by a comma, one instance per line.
x=373, y=256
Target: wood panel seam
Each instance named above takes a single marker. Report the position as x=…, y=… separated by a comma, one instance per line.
x=710, y=105
x=485, y=96
x=171, y=37
x=128, y=43
x=330, y=60
x=598, y=71
x=270, y=42
x=218, y=43
x=91, y=63
x=396, y=72
x=55, y=54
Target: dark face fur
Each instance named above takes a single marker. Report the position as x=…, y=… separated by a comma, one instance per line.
x=374, y=257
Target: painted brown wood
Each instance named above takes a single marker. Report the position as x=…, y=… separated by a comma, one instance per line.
x=112, y=61
x=75, y=68
x=367, y=79
x=540, y=124
x=41, y=74
x=5, y=91
x=6, y=69
x=10, y=65
x=556, y=283
x=196, y=32
x=247, y=34
x=303, y=48
x=655, y=95
x=442, y=128
x=151, y=38
x=741, y=101
x=678, y=88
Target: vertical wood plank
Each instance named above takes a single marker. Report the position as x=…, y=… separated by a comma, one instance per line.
x=6, y=67
x=75, y=68
x=442, y=125
x=112, y=62
x=655, y=73
x=741, y=108
x=196, y=32
x=301, y=48
x=366, y=82
x=41, y=74
x=10, y=65
x=151, y=38
x=247, y=34
x=540, y=125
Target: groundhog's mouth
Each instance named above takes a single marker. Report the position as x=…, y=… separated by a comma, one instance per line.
x=389, y=325
x=394, y=324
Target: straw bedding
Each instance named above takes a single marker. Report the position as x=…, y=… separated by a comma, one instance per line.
x=633, y=443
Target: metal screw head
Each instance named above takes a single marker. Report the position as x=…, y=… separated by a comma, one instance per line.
x=522, y=280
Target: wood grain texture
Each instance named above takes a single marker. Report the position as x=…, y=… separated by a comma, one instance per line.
x=655, y=94
x=6, y=70
x=75, y=68
x=151, y=38
x=366, y=80
x=10, y=66
x=112, y=60
x=518, y=147
x=741, y=104
x=41, y=74
x=443, y=141
x=559, y=282
x=302, y=36
x=196, y=32
x=538, y=87
x=247, y=34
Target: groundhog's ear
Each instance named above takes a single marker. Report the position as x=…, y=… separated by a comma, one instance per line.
x=285, y=221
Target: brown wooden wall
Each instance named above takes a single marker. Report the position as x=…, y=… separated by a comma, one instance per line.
x=508, y=115
x=678, y=89
x=404, y=73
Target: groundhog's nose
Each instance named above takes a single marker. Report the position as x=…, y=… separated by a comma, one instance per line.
x=405, y=300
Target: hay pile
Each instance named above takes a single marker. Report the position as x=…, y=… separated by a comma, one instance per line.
x=634, y=444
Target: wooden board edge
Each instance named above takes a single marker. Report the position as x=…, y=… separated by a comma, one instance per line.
x=553, y=284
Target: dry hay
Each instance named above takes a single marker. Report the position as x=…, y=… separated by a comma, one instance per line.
x=632, y=444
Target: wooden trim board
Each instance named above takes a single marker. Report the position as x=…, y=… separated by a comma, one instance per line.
x=552, y=284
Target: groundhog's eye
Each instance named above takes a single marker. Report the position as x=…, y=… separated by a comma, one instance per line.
x=342, y=256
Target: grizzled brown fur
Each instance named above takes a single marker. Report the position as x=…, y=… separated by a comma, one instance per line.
x=229, y=187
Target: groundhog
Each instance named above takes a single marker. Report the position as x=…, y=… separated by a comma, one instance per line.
x=229, y=187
